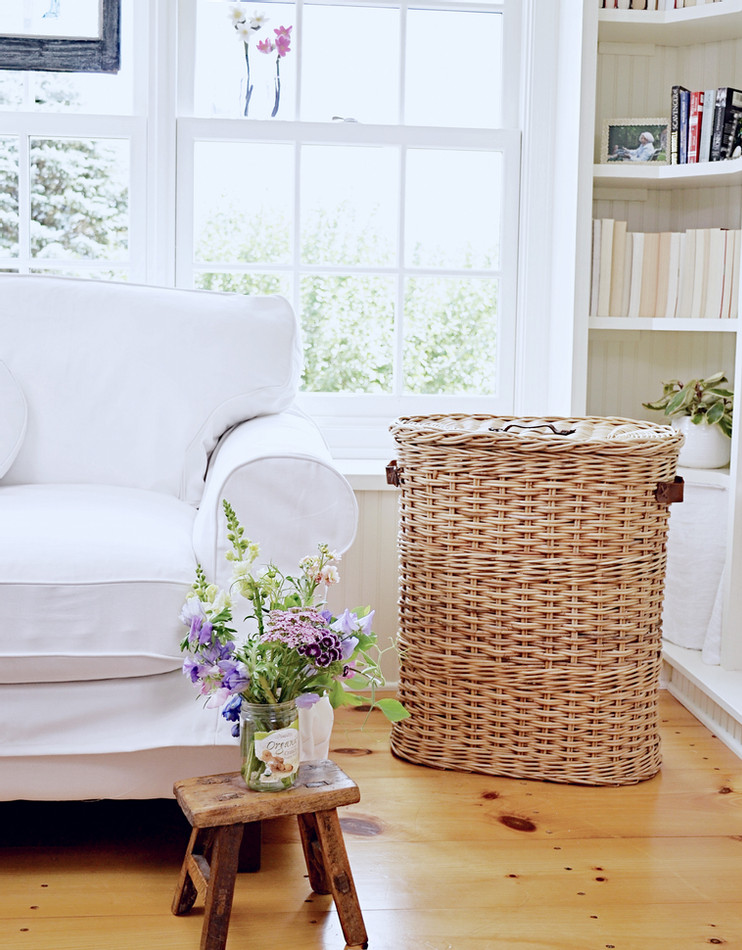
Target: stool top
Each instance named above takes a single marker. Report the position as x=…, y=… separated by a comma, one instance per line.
x=212, y=801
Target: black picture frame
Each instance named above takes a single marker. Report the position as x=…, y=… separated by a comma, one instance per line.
x=68, y=54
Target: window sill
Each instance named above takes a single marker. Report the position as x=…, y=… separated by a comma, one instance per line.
x=365, y=474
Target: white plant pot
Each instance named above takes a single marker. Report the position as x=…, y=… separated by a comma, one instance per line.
x=705, y=446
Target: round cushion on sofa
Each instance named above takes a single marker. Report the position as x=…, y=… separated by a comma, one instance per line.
x=12, y=418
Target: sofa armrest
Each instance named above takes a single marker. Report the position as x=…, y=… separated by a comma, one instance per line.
x=277, y=473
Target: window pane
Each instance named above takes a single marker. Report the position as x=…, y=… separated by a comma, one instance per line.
x=243, y=283
x=243, y=202
x=95, y=93
x=222, y=60
x=349, y=205
x=9, y=196
x=461, y=227
x=453, y=71
x=79, y=198
x=350, y=64
x=11, y=90
x=348, y=325
x=450, y=336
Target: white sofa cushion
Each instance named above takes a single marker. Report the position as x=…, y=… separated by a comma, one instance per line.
x=12, y=418
x=132, y=386
x=97, y=576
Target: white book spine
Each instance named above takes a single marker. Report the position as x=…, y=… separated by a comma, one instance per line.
x=637, y=256
x=595, y=269
x=606, y=260
x=673, y=276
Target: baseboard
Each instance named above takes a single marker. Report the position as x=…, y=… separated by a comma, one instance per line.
x=712, y=694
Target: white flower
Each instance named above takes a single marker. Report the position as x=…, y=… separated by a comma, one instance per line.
x=258, y=20
x=244, y=31
x=237, y=13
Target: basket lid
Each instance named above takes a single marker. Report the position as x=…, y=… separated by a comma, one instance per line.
x=586, y=433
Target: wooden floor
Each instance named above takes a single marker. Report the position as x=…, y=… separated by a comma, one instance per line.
x=442, y=861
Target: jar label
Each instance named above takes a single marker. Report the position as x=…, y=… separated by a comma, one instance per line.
x=279, y=751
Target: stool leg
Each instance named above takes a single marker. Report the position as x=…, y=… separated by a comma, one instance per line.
x=337, y=874
x=313, y=854
x=186, y=891
x=225, y=855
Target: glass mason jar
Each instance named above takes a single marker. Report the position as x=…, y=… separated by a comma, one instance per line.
x=269, y=742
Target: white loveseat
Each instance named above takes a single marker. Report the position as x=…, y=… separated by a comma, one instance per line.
x=127, y=414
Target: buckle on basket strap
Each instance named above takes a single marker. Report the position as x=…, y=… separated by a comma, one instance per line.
x=393, y=474
x=668, y=492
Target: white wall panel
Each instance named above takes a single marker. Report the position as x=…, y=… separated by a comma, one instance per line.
x=369, y=570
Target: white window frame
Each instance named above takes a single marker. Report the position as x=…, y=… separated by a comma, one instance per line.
x=133, y=128
x=357, y=425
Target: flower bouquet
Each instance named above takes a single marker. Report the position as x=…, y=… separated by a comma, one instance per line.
x=295, y=652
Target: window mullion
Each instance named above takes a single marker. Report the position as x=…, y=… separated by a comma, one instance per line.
x=24, y=202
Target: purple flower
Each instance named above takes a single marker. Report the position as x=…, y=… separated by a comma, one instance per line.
x=236, y=677
x=346, y=623
x=305, y=700
x=347, y=646
x=192, y=669
x=231, y=711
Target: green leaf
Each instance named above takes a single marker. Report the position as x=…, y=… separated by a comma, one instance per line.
x=392, y=709
x=715, y=413
x=340, y=697
x=680, y=400
x=719, y=377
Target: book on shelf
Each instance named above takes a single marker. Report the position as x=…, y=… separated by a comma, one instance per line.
x=595, y=268
x=687, y=271
x=650, y=262
x=700, y=273
x=707, y=125
x=695, y=118
x=606, y=258
x=677, y=242
x=688, y=274
x=715, y=263
x=683, y=126
x=635, y=285
x=675, y=123
x=727, y=115
x=663, y=272
x=617, y=268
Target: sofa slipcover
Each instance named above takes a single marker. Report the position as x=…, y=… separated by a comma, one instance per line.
x=144, y=409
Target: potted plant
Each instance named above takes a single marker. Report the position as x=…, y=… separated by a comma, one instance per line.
x=702, y=410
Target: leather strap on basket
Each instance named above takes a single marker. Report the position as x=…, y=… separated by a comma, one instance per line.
x=393, y=474
x=540, y=425
x=668, y=492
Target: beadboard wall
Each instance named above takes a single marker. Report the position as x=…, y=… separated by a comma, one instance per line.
x=369, y=570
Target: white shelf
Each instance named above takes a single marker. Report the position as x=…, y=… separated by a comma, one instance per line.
x=707, y=23
x=648, y=175
x=672, y=324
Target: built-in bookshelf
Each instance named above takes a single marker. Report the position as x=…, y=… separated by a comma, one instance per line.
x=639, y=56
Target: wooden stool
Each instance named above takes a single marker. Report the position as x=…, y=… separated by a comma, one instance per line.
x=219, y=806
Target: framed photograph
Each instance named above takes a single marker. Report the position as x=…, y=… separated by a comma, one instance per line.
x=81, y=36
x=635, y=140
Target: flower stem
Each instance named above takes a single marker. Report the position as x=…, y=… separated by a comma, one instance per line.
x=277, y=83
x=248, y=92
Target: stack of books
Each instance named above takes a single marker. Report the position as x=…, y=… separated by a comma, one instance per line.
x=653, y=4
x=705, y=125
x=694, y=273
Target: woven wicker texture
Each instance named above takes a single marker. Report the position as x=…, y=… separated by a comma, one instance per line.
x=531, y=581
